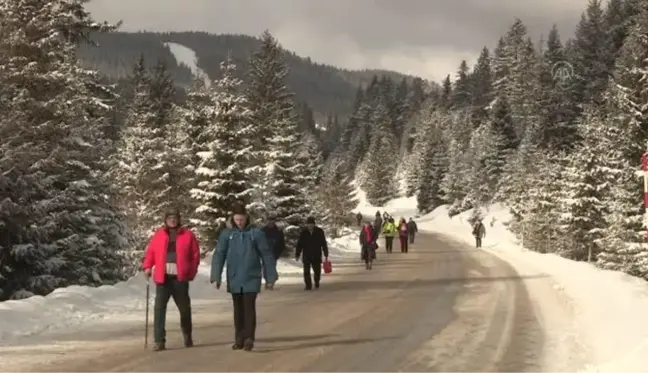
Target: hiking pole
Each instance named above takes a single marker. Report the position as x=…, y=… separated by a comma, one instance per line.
x=146, y=322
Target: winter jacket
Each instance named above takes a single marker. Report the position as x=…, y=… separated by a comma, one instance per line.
x=367, y=236
x=187, y=255
x=411, y=227
x=479, y=230
x=389, y=229
x=312, y=245
x=276, y=239
x=402, y=228
x=377, y=225
x=248, y=256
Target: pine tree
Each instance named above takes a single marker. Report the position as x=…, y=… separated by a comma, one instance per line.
x=276, y=135
x=591, y=56
x=222, y=175
x=337, y=193
x=150, y=162
x=268, y=96
x=481, y=87
x=379, y=181
x=55, y=201
x=461, y=92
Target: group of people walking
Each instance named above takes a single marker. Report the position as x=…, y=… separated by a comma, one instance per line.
x=249, y=253
x=405, y=230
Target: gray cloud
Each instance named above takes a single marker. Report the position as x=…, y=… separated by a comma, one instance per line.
x=423, y=37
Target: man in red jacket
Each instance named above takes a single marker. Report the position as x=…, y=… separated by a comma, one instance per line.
x=172, y=258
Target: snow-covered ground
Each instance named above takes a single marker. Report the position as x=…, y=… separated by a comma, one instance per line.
x=610, y=308
x=187, y=56
x=80, y=308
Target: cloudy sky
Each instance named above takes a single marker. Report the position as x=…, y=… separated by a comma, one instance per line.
x=428, y=38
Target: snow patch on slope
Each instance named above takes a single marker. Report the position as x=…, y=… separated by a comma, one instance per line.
x=188, y=57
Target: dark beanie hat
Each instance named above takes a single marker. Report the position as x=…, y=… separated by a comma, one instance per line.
x=172, y=212
x=239, y=210
x=310, y=220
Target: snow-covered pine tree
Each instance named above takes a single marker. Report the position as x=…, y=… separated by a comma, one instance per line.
x=337, y=193
x=148, y=162
x=267, y=96
x=481, y=88
x=379, y=175
x=584, y=186
x=53, y=145
x=277, y=135
x=222, y=176
x=310, y=157
x=591, y=56
x=424, y=124
x=455, y=186
x=461, y=92
x=628, y=114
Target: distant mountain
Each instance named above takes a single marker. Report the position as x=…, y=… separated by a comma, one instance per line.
x=326, y=89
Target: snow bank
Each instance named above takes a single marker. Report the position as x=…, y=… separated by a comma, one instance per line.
x=78, y=307
x=399, y=207
x=187, y=56
x=611, y=308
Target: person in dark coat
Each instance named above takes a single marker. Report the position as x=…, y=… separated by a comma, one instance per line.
x=402, y=235
x=377, y=225
x=412, y=229
x=479, y=231
x=172, y=259
x=368, y=244
x=245, y=250
x=276, y=238
x=310, y=246
x=359, y=219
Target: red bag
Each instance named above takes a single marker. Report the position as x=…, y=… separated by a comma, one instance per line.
x=328, y=267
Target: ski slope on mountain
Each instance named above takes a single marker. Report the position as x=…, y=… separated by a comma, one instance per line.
x=188, y=57
x=609, y=308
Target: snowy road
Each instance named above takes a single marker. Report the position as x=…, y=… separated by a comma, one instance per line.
x=442, y=307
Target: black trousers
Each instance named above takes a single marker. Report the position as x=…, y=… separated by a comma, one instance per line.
x=478, y=242
x=317, y=274
x=244, y=316
x=179, y=291
x=412, y=235
x=389, y=244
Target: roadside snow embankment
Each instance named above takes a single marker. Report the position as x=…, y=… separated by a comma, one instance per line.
x=79, y=307
x=609, y=308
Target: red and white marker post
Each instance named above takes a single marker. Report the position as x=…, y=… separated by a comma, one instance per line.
x=644, y=167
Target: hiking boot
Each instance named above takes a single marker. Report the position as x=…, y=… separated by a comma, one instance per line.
x=248, y=345
x=237, y=346
x=317, y=285
x=188, y=341
x=308, y=288
x=159, y=346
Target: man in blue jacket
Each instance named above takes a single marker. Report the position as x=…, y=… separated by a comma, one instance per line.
x=246, y=251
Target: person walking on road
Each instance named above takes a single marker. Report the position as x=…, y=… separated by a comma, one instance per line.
x=172, y=258
x=368, y=244
x=275, y=237
x=310, y=246
x=389, y=231
x=377, y=224
x=412, y=229
x=359, y=219
x=479, y=231
x=248, y=256
x=402, y=234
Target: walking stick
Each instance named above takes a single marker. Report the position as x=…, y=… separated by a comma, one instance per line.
x=146, y=322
